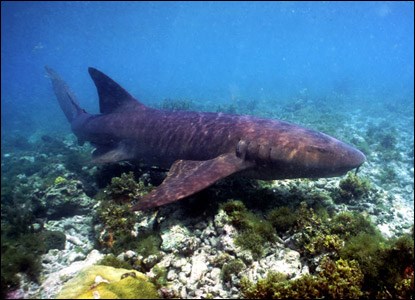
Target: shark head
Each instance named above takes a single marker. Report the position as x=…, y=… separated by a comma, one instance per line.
x=293, y=151
x=318, y=155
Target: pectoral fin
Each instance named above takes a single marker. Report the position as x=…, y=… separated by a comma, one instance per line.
x=187, y=177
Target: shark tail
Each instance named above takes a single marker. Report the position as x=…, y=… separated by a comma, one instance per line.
x=66, y=98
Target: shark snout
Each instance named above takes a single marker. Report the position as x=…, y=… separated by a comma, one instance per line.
x=355, y=158
x=348, y=159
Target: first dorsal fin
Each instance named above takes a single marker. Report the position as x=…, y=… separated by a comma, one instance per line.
x=112, y=97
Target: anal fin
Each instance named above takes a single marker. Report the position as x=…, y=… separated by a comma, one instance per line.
x=187, y=177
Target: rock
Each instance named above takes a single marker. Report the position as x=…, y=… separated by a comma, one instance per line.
x=221, y=219
x=182, y=278
x=54, y=281
x=150, y=261
x=66, y=199
x=172, y=275
x=246, y=256
x=178, y=239
x=199, y=268
x=183, y=293
x=166, y=261
x=75, y=256
x=179, y=263
x=215, y=275
x=409, y=188
x=74, y=240
x=187, y=268
x=99, y=280
x=283, y=260
x=145, y=221
x=129, y=254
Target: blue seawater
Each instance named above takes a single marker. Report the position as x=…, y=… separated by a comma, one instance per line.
x=207, y=52
x=344, y=68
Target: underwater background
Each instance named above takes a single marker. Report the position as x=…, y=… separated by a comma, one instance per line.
x=344, y=68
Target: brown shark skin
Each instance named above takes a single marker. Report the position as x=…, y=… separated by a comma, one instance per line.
x=279, y=149
x=200, y=147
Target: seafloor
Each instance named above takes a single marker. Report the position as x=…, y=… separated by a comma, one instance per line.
x=239, y=238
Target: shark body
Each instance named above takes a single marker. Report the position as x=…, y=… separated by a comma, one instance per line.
x=199, y=148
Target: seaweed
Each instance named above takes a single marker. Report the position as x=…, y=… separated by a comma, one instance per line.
x=339, y=279
x=253, y=231
x=351, y=188
x=115, y=214
x=282, y=218
x=111, y=261
x=349, y=224
x=384, y=263
x=230, y=268
x=388, y=175
x=160, y=276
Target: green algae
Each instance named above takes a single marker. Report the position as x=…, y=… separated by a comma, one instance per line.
x=351, y=188
x=253, y=231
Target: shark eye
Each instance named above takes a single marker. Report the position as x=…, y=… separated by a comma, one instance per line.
x=264, y=152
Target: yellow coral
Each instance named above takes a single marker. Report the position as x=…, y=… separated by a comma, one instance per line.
x=110, y=286
x=59, y=180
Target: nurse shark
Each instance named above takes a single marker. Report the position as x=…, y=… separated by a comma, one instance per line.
x=198, y=148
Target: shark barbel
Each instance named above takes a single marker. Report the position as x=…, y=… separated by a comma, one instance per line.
x=199, y=148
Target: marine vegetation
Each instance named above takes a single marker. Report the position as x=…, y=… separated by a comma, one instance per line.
x=148, y=251
x=21, y=243
x=339, y=279
x=388, y=175
x=160, y=276
x=115, y=215
x=21, y=252
x=282, y=218
x=230, y=268
x=110, y=260
x=253, y=231
x=351, y=188
x=384, y=137
x=358, y=260
x=387, y=265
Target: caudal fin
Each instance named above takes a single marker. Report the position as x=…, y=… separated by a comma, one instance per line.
x=66, y=97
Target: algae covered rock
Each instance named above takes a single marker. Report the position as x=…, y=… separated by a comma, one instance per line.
x=103, y=282
x=66, y=198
